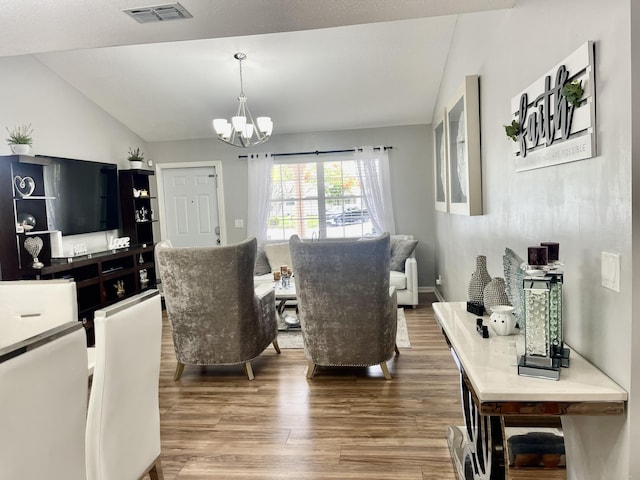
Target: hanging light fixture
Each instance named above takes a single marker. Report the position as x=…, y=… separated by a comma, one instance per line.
x=243, y=130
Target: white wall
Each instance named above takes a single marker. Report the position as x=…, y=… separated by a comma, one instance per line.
x=411, y=175
x=634, y=403
x=586, y=205
x=65, y=123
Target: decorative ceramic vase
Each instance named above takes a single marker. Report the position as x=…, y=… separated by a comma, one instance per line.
x=502, y=320
x=21, y=148
x=135, y=164
x=495, y=293
x=479, y=279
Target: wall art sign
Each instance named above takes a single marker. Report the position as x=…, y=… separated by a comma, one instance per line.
x=554, y=127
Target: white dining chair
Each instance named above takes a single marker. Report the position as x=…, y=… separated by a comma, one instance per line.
x=123, y=421
x=43, y=405
x=40, y=304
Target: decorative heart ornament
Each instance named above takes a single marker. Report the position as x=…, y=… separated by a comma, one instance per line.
x=33, y=245
x=24, y=186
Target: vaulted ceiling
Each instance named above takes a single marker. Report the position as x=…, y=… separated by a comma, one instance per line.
x=311, y=65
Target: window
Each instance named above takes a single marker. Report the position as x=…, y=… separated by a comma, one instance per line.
x=320, y=199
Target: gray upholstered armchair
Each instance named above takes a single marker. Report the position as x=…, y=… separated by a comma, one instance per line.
x=347, y=310
x=216, y=316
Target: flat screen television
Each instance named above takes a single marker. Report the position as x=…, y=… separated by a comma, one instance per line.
x=84, y=196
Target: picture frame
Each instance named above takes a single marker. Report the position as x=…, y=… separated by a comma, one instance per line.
x=440, y=164
x=462, y=119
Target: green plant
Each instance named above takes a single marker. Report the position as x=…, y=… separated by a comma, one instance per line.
x=20, y=135
x=573, y=92
x=135, y=155
x=512, y=130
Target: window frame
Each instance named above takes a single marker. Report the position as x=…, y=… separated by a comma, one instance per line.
x=321, y=199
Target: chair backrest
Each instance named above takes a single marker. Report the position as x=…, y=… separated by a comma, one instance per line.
x=211, y=302
x=43, y=406
x=123, y=420
x=39, y=304
x=344, y=301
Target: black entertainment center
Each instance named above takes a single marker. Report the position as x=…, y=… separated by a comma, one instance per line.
x=47, y=197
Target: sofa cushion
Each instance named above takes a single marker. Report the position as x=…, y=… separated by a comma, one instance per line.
x=398, y=280
x=401, y=249
x=262, y=266
x=278, y=254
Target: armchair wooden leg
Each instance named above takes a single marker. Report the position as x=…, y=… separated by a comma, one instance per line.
x=179, y=370
x=249, y=370
x=311, y=370
x=156, y=471
x=395, y=347
x=275, y=345
x=385, y=370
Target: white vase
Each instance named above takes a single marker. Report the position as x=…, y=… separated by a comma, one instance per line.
x=20, y=149
x=135, y=164
x=502, y=320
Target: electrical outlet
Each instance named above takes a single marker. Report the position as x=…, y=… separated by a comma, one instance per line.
x=611, y=271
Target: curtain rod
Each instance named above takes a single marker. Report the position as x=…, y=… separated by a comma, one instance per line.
x=317, y=152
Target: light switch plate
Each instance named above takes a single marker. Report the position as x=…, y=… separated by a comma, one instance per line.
x=611, y=271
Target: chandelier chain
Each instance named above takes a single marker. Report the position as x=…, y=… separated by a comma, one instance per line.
x=241, y=82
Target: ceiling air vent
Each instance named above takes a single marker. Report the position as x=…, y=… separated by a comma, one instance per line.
x=158, y=13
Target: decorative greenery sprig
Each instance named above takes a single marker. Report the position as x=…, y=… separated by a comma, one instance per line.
x=573, y=92
x=512, y=130
x=135, y=155
x=20, y=135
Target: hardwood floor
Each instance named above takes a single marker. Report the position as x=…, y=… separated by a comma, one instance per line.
x=343, y=424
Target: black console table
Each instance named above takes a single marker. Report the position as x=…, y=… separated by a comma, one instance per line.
x=97, y=275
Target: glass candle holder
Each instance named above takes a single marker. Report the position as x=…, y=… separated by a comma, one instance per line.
x=555, y=309
x=536, y=314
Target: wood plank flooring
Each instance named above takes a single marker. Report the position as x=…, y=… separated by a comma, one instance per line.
x=343, y=424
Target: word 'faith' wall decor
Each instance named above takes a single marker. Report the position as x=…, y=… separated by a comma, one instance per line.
x=556, y=114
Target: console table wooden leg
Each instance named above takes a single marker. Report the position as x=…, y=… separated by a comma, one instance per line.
x=477, y=449
x=484, y=449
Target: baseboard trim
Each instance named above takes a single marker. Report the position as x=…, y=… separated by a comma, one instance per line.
x=433, y=290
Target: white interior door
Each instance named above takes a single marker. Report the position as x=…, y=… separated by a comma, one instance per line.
x=190, y=200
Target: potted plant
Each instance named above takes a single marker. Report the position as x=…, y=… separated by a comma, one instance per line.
x=20, y=139
x=135, y=157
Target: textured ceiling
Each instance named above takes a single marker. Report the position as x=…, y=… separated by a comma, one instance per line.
x=312, y=65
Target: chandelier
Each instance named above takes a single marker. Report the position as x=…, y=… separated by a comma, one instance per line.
x=243, y=130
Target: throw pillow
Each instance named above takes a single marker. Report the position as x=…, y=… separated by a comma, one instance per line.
x=278, y=254
x=262, y=263
x=401, y=249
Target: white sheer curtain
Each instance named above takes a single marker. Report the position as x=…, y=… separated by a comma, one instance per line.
x=260, y=165
x=373, y=170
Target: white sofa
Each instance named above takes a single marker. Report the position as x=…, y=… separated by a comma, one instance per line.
x=406, y=282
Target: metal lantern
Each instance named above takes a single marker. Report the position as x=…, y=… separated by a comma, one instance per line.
x=544, y=348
